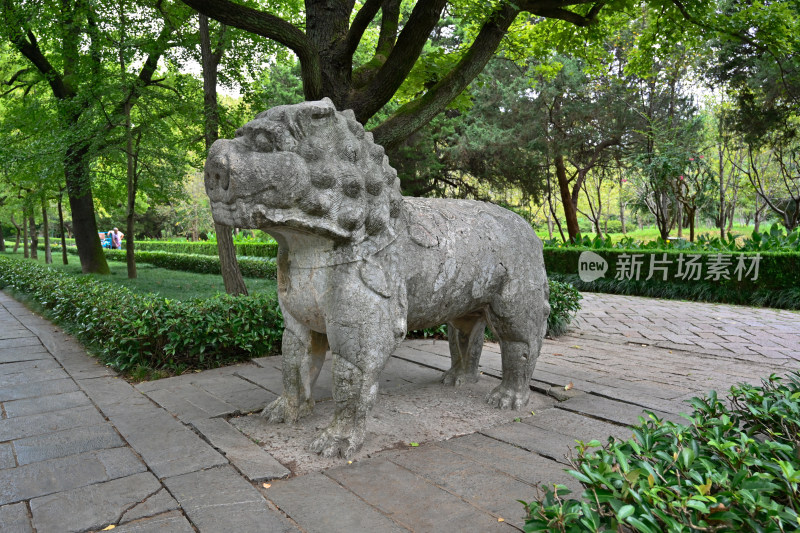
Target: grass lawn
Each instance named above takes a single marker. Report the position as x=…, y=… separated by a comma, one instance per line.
x=172, y=284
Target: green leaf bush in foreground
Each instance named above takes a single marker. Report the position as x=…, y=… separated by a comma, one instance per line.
x=735, y=467
x=564, y=304
x=129, y=331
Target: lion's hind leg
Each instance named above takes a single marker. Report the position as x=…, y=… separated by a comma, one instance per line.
x=465, y=335
x=303, y=357
x=520, y=325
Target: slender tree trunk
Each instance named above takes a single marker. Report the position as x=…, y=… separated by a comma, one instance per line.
x=130, y=246
x=48, y=254
x=2, y=240
x=34, y=235
x=690, y=214
x=229, y=266
x=61, y=227
x=570, y=213
x=16, y=243
x=722, y=209
x=680, y=220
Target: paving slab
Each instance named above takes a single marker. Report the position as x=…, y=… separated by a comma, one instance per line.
x=167, y=446
x=45, y=404
x=532, y=468
x=7, y=456
x=249, y=458
x=488, y=489
x=613, y=410
x=38, y=424
x=13, y=355
x=546, y=442
x=67, y=442
x=219, y=499
x=318, y=504
x=95, y=506
x=14, y=518
x=410, y=500
x=172, y=522
x=65, y=473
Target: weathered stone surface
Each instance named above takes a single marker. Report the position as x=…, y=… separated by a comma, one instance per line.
x=94, y=506
x=155, y=504
x=515, y=461
x=114, y=396
x=65, y=473
x=30, y=353
x=611, y=410
x=246, y=456
x=27, y=366
x=359, y=264
x=334, y=508
x=7, y=456
x=45, y=404
x=14, y=519
x=552, y=444
x=34, y=389
x=46, y=374
x=38, y=424
x=168, y=447
x=219, y=499
x=486, y=488
x=172, y=522
x=411, y=501
x=67, y=442
x=577, y=426
x=188, y=402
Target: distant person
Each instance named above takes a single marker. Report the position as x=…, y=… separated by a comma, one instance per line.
x=116, y=239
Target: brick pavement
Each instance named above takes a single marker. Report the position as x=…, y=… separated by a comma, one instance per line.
x=81, y=449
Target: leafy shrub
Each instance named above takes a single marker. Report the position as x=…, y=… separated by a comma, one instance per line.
x=732, y=469
x=129, y=331
x=564, y=304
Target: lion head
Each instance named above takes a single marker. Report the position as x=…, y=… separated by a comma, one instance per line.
x=306, y=166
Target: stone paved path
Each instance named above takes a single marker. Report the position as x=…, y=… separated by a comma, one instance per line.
x=81, y=449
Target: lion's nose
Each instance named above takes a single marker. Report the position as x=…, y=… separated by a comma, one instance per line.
x=218, y=169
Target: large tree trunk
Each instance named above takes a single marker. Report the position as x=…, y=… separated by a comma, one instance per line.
x=48, y=255
x=228, y=265
x=16, y=243
x=61, y=227
x=81, y=203
x=570, y=213
x=34, y=235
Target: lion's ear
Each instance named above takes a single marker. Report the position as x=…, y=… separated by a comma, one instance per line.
x=311, y=115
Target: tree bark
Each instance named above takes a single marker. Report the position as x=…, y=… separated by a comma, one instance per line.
x=16, y=243
x=2, y=240
x=228, y=265
x=570, y=213
x=34, y=236
x=130, y=208
x=61, y=227
x=48, y=254
x=26, y=253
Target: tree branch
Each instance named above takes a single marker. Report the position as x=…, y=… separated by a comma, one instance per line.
x=360, y=25
x=412, y=116
x=366, y=101
x=29, y=48
x=272, y=27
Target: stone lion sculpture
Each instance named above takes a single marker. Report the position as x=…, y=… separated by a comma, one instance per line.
x=359, y=264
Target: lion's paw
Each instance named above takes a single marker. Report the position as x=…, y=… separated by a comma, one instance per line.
x=457, y=377
x=503, y=397
x=282, y=410
x=333, y=441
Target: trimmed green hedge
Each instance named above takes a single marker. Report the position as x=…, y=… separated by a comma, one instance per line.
x=248, y=249
x=250, y=267
x=129, y=331
x=778, y=283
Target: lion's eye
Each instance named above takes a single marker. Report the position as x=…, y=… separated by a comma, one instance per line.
x=263, y=143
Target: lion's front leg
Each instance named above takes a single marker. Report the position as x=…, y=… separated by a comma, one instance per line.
x=303, y=357
x=363, y=333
